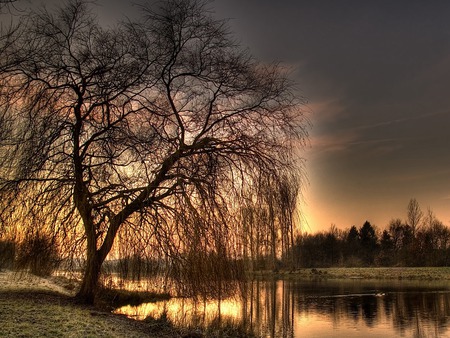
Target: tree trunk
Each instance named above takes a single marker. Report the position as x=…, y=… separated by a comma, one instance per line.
x=90, y=283
x=95, y=259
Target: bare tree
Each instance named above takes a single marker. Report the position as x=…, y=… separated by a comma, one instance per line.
x=152, y=126
x=414, y=216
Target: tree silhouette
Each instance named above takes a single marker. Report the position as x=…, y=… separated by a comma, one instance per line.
x=386, y=249
x=368, y=240
x=402, y=240
x=156, y=126
x=414, y=215
x=352, y=244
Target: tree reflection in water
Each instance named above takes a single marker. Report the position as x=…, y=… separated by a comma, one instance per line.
x=321, y=308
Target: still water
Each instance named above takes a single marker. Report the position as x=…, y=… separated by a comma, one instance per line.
x=319, y=308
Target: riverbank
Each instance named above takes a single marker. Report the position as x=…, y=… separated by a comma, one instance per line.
x=407, y=273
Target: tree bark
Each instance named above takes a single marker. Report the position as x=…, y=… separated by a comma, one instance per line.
x=91, y=276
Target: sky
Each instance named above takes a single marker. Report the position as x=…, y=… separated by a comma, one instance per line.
x=376, y=77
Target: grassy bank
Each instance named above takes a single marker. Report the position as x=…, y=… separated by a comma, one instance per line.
x=44, y=314
x=427, y=273
x=37, y=307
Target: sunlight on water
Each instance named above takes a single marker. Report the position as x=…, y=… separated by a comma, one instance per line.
x=184, y=311
x=318, y=309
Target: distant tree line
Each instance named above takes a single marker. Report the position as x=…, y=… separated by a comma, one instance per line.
x=420, y=240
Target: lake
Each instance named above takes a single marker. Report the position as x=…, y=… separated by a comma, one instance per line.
x=319, y=308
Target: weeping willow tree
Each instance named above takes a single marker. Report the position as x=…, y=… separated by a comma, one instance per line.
x=157, y=128
x=270, y=219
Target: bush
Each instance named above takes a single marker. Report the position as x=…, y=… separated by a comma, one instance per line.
x=7, y=254
x=354, y=262
x=38, y=254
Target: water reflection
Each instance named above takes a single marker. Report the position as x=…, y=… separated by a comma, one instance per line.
x=320, y=308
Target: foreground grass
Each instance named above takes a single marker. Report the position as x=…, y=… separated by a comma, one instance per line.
x=38, y=307
x=39, y=314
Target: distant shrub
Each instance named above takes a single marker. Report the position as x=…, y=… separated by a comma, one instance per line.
x=38, y=254
x=354, y=262
x=7, y=254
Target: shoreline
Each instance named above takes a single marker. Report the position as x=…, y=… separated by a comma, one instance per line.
x=389, y=273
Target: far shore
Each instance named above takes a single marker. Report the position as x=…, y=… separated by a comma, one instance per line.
x=399, y=273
